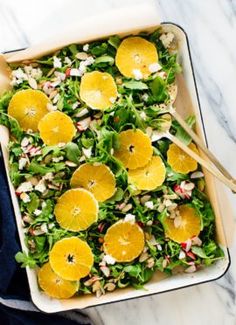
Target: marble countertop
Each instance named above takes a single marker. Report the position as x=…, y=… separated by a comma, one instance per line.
x=211, y=27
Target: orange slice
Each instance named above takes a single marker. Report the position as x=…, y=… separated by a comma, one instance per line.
x=98, y=90
x=76, y=209
x=179, y=161
x=190, y=225
x=150, y=176
x=53, y=285
x=99, y=180
x=136, y=54
x=124, y=241
x=28, y=107
x=135, y=149
x=56, y=127
x=71, y=258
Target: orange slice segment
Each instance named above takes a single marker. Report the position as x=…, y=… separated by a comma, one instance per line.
x=135, y=149
x=124, y=241
x=71, y=258
x=135, y=54
x=76, y=209
x=53, y=285
x=28, y=107
x=98, y=90
x=179, y=161
x=190, y=225
x=150, y=176
x=56, y=127
x=99, y=180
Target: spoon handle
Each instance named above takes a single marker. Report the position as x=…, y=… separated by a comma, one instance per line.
x=200, y=144
x=204, y=163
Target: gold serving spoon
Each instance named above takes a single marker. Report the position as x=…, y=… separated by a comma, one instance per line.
x=165, y=125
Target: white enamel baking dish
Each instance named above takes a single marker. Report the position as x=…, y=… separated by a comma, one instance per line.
x=187, y=103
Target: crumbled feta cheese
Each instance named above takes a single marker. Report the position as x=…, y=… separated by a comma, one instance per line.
x=33, y=83
x=112, y=100
x=109, y=259
x=41, y=187
x=145, y=97
x=48, y=177
x=83, y=112
x=85, y=47
x=83, y=124
x=18, y=76
x=154, y=67
x=57, y=62
x=87, y=152
x=167, y=39
x=37, y=212
x=129, y=218
x=44, y=228
x=90, y=60
x=67, y=61
x=149, y=205
x=143, y=115
x=57, y=159
x=137, y=74
x=51, y=108
x=25, y=141
x=25, y=197
x=24, y=187
x=60, y=75
x=196, y=175
x=22, y=163
x=181, y=255
x=35, y=73
x=56, y=98
x=75, y=72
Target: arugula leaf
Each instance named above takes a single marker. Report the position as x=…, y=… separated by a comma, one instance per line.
x=73, y=152
x=104, y=59
x=137, y=85
x=158, y=89
x=25, y=260
x=199, y=251
x=34, y=203
x=114, y=41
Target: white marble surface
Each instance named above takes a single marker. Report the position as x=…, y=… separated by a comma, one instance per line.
x=211, y=27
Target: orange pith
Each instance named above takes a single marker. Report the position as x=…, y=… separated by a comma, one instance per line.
x=98, y=90
x=179, y=161
x=150, y=176
x=76, y=209
x=53, y=285
x=71, y=258
x=28, y=107
x=135, y=149
x=124, y=241
x=136, y=53
x=98, y=179
x=56, y=127
x=190, y=225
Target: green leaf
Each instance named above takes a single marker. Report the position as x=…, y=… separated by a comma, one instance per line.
x=105, y=59
x=135, y=85
x=99, y=49
x=133, y=270
x=199, y=251
x=25, y=260
x=33, y=204
x=40, y=243
x=73, y=152
x=114, y=41
x=15, y=174
x=55, y=150
x=181, y=134
x=118, y=196
x=36, y=168
x=158, y=89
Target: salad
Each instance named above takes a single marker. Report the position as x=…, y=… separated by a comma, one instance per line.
x=105, y=201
